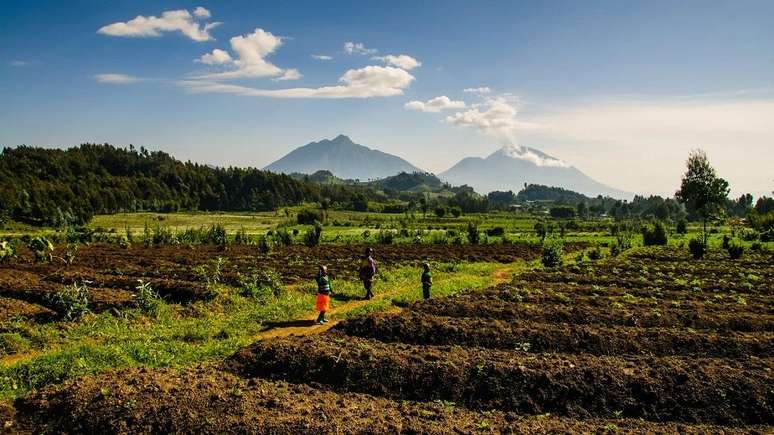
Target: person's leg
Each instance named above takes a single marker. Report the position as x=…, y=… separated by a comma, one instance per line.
x=426, y=292
x=321, y=317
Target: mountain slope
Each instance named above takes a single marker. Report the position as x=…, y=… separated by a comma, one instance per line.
x=344, y=158
x=510, y=168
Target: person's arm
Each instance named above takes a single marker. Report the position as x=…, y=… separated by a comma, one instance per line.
x=330, y=285
x=373, y=265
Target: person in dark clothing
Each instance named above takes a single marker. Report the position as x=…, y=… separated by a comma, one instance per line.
x=324, y=290
x=368, y=272
x=427, y=280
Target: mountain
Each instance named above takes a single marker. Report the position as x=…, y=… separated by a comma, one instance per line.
x=511, y=167
x=342, y=157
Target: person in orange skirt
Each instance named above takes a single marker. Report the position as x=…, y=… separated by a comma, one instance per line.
x=324, y=292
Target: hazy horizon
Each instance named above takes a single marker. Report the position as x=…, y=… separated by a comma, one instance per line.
x=620, y=91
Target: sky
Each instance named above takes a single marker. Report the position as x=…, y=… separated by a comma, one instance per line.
x=622, y=90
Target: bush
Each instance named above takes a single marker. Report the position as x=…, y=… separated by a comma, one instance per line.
x=282, y=237
x=552, y=255
x=622, y=243
x=264, y=244
x=595, y=254
x=562, y=212
x=655, y=235
x=496, y=231
x=456, y=211
x=7, y=251
x=726, y=241
x=440, y=211
x=146, y=299
x=71, y=302
x=474, y=238
x=310, y=216
x=682, y=227
x=312, y=237
x=215, y=235
x=385, y=237
x=735, y=250
x=697, y=248
x=42, y=248
x=262, y=285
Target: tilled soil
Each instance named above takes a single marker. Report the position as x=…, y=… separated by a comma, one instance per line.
x=419, y=328
x=176, y=272
x=580, y=386
x=208, y=400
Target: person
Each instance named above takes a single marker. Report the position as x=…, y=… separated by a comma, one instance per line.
x=368, y=272
x=324, y=290
x=427, y=280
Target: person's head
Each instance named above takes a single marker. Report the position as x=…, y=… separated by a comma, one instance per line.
x=369, y=251
x=323, y=270
x=426, y=266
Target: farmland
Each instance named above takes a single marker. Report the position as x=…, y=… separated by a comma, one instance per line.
x=648, y=339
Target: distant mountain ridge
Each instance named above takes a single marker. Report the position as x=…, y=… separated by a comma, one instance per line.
x=343, y=158
x=511, y=168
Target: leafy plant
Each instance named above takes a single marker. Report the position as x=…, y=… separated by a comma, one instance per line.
x=312, y=237
x=385, y=237
x=7, y=251
x=595, y=254
x=735, y=250
x=310, y=216
x=42, y=248
x=655, y=235
x=474, y=238
x=261, y=285
x=552, y=254
x=697, y=248
x=147, y=300
x=71, y=302
x=623, y=242
x=682, y=227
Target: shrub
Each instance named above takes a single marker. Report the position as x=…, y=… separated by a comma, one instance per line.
x=562, y=212
x=697, y=248
x=7, y=251
x=146, y=299
x=310, y=216
x=42, y=248
x=440, y=211
x=473, y=235
x=682, y=227
x=655, y=235
x=595, y=254
x=496, y=231
x=71, y=302
x=385, y=237
x=264, y=244
x=756, y=246
x=552, y=254
x=312, y=237
x=622, y=243
x=726, y=241
x=70, y=253
x=282, y=237
x=456, y=211
x=215, y=235
x=242, y=238
x=735, y=250
x=262, y=285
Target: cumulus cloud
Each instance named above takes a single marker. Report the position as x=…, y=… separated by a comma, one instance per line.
x=216, y=57
x=321, y=57
x=201, y=12
x=435, y=105
x=495, y=117
x=118, y=79
x=401, y=61
x=480, y=90
x=170, y=21
x=289, y=74
x=524, y=153
x=367, y=82
x=251, y=51
x=358, y=48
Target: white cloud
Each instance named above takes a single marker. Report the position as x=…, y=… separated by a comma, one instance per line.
x=401, y=61
x=289, y=74
x=367, y=82
x=497, y=119
x=251, y=51
x=321, y=57
x=118, y=79
x=18, y=63
x=481, y=90
x=201, y=12
x=358, y=48
x=216, y=57
x=170, y=21
x=435, y=105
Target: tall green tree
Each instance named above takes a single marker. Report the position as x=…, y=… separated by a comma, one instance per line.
x=701, y=190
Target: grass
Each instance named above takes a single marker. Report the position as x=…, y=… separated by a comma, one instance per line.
x=182, y=335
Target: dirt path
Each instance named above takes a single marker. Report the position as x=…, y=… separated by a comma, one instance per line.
x=307, y=325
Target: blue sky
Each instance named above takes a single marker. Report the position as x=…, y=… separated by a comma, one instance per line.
x=620, y=89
